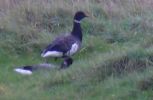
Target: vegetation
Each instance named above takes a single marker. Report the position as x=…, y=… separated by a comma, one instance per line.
x=115, y=62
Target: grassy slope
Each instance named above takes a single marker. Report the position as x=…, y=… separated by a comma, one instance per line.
x=115, y=62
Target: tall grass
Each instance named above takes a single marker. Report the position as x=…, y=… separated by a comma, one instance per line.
x=35, y=22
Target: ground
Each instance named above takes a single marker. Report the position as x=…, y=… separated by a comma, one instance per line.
x=115, y=62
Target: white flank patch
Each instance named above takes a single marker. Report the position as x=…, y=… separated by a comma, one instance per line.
x=52, y=54
x=73, y=49
x=23, y=71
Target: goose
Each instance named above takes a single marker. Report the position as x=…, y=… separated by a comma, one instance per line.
x=63, y=46
x=66, y=46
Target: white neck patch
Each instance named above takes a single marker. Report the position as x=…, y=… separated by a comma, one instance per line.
x=76, y=21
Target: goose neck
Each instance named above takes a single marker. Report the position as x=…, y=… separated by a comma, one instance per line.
x=77, y=31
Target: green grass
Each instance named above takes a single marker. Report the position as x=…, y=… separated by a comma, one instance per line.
x=115, y=62
x=86, y=79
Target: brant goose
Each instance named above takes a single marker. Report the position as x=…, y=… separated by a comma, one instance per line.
x=27, y=70
x=66, y=46
x=62, y=47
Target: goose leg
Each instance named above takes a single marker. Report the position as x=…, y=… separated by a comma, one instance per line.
x=46, y=60
x=66, y=63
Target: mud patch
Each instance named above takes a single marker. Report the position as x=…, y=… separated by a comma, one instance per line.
x=3, y=89
x=120, y=66
x=126, y=64
x=146, y=84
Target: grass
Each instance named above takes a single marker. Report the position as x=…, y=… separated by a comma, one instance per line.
x=115, y=62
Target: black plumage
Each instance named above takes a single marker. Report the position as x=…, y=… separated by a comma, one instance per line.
x=62, y=44
x=66, y=46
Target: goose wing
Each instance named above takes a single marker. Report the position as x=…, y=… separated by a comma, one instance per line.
x=60, y=46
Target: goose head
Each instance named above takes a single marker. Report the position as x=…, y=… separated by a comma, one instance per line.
x=79, y=16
